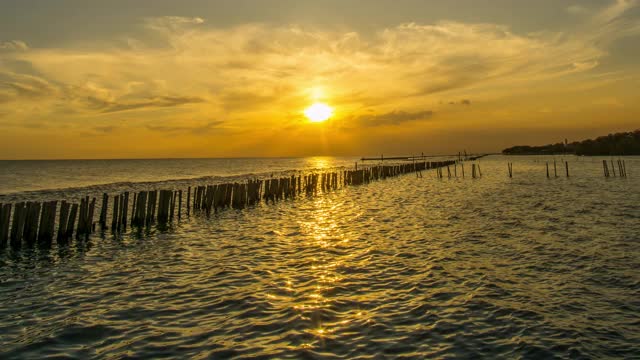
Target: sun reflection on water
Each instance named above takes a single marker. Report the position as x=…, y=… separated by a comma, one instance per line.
x=320, y=162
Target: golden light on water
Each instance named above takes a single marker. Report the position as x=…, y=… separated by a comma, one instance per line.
x=318, y=112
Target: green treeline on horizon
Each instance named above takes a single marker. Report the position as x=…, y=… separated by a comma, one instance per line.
x=624, y=143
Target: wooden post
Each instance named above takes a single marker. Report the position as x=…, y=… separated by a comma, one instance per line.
x=174, y=195
x=125, y=209
x=115, y=212
x=547, y=169
x=72, y=220
x=621, y=169
x=613, y=168
x=605, y=168
x=149, y=213
x=188, y=200
x=45, y=233
x=31, y=222
x=92, y=208
x=566, y=164
x=62, y=222
x=5, y=215
x=555, y=171
x=179, y=204
x=17, y=226
x=103, y=211
x=462, y=165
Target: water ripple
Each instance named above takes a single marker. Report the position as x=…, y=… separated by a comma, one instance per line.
x=401, y=268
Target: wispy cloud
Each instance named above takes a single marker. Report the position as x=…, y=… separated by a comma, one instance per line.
x=107, y=106
x=196, y=129
x=577, y=9
x=262, y=73
x=13, y=45
x=390, y=118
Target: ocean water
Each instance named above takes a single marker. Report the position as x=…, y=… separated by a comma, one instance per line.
x=407, y=267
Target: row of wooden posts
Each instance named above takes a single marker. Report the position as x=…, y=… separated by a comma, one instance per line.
x=622, y=168
x=555, y=169
x=475, y=171
x=34, y=222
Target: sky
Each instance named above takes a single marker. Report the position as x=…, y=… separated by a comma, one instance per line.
x=231, y=78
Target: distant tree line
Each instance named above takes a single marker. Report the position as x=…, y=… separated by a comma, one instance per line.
x=625, y=143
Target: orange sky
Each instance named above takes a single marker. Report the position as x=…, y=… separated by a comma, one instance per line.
x=198, y=86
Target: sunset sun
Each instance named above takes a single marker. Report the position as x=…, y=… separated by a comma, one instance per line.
x=318, y=112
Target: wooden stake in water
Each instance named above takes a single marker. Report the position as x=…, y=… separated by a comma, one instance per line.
x=613, y=168
x=566, y=164
x=5, y=215
x=547, y=170
x=103, y=211
x=188, y=200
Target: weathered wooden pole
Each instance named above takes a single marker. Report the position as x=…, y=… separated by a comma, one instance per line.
x=71, y=221
x=613, y=168
x=555, y=171
x=62, y=222
x=125, y=210
x=5, y=216
x=17, y=225
x=566, y=164
x=47, y=222
x=115, y=213
x=179, y=204
x=103, y=211
x=31, y=222
x=188, y=200
x=547, y=169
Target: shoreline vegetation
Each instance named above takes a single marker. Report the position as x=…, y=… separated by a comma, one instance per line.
x=618, y=144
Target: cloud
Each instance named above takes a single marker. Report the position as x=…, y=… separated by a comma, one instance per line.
x=14, y=86
x=577, y=9
x=13, y=45
x=262, y=73
x=106, y=106
x=391, y=118
x=464, y=102
x=172, y=23
x=106, y=129
x=615, y=10
x=197, y=129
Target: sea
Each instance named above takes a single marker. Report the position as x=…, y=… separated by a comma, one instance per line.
x=410, y=267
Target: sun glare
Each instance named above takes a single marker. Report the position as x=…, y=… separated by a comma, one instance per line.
x=318, y=112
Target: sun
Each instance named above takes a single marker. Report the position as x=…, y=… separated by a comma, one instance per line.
x=318, y=112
